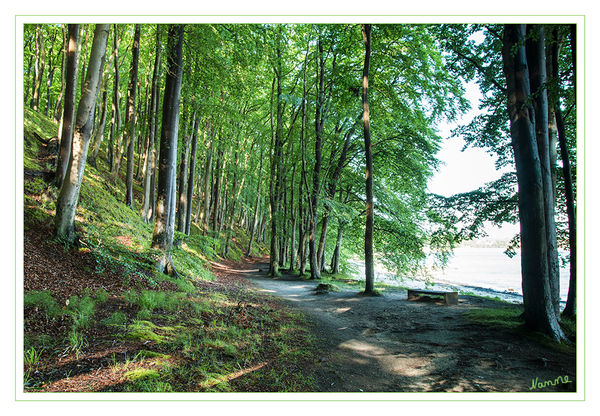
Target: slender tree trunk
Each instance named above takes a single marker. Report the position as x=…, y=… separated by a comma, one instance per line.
x=66, y=203
x=164, y=224
x=536, y=61
x=85, y=43
x=571, y=306
x=217, y=187
x=332, y=188
x=99, y=133
x=69, y=108
x=152, y=211
x=142, y=148
x=63, y=81
x=40, y=62
x=315, y=268
x=294, y=223
x=149, y=187
x=190, y=184
x=182, y=189
x=130, y=114
x=369, y=261
x=302, y=241
x=48, y=90
x=116, y=151
x=207, y=193
x=539, y=311
x=276, y=163
x=256, y=205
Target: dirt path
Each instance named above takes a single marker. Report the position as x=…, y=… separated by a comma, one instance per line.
x=390, y=344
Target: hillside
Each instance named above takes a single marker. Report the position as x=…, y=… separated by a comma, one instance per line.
x=99, y=318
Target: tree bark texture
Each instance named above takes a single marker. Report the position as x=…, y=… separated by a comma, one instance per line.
x=539, y=311
x=536, y=61
x=165, y=197
x=99, y=133
x=369, y=261
x=130, y=118
x=190, y=184
x=66, y=203
x=148, y=208
x=69, y=107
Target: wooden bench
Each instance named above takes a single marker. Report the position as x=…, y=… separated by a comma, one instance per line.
x=451, y=298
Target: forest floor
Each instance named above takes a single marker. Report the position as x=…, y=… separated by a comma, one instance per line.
x=389, y=344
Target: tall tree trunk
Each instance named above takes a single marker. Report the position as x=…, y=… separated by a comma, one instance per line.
x=276, y=162
x=217, y=187
x=315, y=268
x=63, y=81
x=571, y=306
x=163, y=226
x=116, y=151
x=303, y=180
x=369, y=263
x=335, y=177
x=335, y=259
x=539, y=311
x=190, y=184
x=66, y=203
x=207, y=193
x=40, y=62
x=294, y=223
x=256, y=205
x=152, y=129
x=69, y=108
x=130, y=114
x=536, y=61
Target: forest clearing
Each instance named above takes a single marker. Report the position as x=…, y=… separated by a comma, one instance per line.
x=195, y=194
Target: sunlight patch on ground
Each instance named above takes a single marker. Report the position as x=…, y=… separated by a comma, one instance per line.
x=399, y=364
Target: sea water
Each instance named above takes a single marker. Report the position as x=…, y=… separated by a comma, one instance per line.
x=481, y=271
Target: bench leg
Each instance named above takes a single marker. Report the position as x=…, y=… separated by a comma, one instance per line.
x=451, y=298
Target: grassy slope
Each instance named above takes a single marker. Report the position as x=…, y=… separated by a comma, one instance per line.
x=106, y=321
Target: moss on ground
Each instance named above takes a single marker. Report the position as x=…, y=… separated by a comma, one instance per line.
x=194, y=336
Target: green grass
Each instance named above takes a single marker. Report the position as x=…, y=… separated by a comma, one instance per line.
x=44, y=301
x=194, y=338
x=117, y=318
x=505, y=317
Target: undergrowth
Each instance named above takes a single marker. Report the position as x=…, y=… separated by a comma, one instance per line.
x=194, y=336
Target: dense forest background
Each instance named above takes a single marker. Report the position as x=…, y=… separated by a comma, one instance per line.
x=159, y=148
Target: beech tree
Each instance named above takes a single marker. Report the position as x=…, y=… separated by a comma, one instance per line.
x=130, y=115
x=369, y=262
x=148, y=208
x=66, y=134
x=164, y=224
x=532, y=175
x=66, y=203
